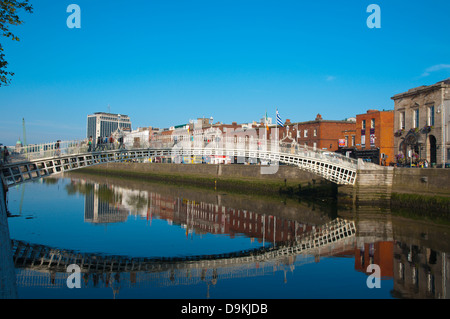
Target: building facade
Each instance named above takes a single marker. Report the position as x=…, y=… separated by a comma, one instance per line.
x=375, y=136
x=321, y=134
x=421, y=121
x=104, y=124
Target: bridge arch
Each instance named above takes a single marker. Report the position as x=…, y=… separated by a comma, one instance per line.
x=34, y=163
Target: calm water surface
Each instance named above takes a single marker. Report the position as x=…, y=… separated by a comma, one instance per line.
x=142, y=240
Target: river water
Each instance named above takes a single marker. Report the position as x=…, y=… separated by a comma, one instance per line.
x=135, y=239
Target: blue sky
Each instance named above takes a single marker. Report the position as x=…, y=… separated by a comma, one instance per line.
x=165, y=62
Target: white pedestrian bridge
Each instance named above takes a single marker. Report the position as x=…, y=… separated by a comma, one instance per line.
x=37, y=161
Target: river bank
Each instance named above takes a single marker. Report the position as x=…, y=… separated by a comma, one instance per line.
x=424, y=190
x=246, y=179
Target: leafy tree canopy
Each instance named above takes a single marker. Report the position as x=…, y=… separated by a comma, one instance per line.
x=9, y=10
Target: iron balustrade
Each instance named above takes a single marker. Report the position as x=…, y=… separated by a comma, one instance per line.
x=36, y=161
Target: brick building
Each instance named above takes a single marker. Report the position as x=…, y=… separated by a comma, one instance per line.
x=320, y=133
x=372, y=139
x=375, y=136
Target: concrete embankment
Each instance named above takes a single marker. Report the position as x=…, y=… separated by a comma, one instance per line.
x=422, y=189
x=249, y=179
x=419, y=189
x=8, y=285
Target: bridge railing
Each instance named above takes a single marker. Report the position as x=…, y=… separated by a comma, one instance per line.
x=268, y=150
x=256, y=148
x=46, y=150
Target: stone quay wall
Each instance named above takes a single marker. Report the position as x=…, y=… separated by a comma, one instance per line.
x=373, y=185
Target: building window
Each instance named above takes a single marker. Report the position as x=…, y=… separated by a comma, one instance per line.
x=353, y=140
x=363, y=124
x=416, y=118
x=315, y=132
x=372, y=123
x=305, y=133
x=346, y=141
x=430, y=116
x=402, y=120
x=299, y=134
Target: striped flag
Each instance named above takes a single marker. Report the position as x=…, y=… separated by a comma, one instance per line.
x=267, y=122
x=279, y=122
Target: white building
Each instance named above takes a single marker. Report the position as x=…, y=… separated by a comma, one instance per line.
x=104, y=124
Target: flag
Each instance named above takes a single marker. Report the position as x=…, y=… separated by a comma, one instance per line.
x=266, y=120
x=279, y=122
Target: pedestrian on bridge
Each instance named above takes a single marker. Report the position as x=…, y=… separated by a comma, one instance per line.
x=99, y=143
x=111, y=142
x=5, y=155
x=58, y=148
x=2, y=157
x=90, y=144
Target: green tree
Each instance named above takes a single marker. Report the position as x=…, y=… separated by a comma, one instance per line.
x=9, y=10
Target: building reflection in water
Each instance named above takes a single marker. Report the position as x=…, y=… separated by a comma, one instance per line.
x=417, y=270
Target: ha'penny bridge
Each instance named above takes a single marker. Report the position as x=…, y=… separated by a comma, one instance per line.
x=41, y=265
x=37, y=161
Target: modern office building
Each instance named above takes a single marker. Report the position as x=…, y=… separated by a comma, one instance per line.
x=104, y=124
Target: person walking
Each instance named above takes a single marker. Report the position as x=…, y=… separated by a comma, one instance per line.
x=5, y=155
x=111, y=142
x=2, y=156
x=58, y=148
x=90, y=144
x=99, y=143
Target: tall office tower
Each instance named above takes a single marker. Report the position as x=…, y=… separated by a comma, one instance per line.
x=103, y=124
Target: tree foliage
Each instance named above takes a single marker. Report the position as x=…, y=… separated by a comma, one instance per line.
x=9, y=15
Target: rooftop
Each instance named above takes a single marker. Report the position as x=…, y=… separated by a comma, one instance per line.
x=423, y=88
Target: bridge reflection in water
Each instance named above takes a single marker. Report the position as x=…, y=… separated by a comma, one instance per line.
x=288, y=240
x=337, y=236
x=284, y=242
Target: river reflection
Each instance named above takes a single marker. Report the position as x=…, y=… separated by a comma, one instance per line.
x=134, y=239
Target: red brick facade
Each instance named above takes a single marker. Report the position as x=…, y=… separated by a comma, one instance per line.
x=320, y=133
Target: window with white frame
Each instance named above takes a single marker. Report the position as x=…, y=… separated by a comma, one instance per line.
x=430, y=117
x=402, y=120
x=415, y=118
x=305, y=133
